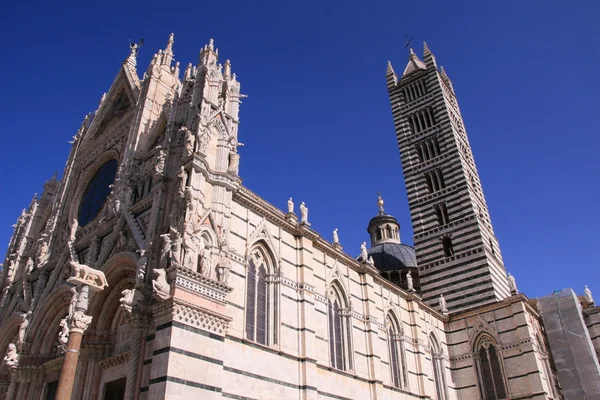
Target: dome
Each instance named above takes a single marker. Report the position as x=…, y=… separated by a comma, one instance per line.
x=393, y=256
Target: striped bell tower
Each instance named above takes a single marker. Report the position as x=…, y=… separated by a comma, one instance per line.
x=457, y=252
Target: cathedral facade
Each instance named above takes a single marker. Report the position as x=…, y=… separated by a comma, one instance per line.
x=149, y=271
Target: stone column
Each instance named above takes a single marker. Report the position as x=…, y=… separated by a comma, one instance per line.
x=138, y=323
x=78, y=323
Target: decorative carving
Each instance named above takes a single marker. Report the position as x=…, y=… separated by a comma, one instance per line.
x=234, y=162
x=176, y=242
x=23, y=327
x=588, y=295
x=190, y=141
x=80, y=321
x=223, y=264
x=42, y=253
x=159, y=167
x=167, y=250
x=63, y=335
x=131, y=298
x=206, y=258
x=12, y=357
x=303, y=213
x=409, y=282
x=29, y=266
x=443, y=305
x=364, y=255
x=182, y=181
x=512, y=284
x=82, y=274
x=73, y=232
x=160, y=287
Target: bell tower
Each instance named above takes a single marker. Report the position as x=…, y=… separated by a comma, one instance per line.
x=457, y=251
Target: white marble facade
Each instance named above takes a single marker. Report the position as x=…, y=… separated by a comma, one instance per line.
x=227, y=296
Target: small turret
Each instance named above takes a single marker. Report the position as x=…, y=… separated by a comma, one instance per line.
x=167, y=54
x=208, y=55
x=428, y=57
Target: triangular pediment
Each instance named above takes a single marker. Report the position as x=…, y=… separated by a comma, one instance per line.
x=120, y=99
x=262, y=233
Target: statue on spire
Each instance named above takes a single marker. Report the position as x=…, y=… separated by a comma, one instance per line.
x=380, y=202
x=134, y=47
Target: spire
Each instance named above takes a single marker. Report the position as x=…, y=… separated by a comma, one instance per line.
x=209, y=54
x=446, y=78
x=428, y=57
x=413, y=64
x=227, y=72
x=187, y=75
x=167, y=56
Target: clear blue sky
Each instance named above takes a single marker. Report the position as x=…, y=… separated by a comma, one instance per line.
x=317, y=123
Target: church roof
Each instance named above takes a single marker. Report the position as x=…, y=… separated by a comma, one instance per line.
x=414, y=64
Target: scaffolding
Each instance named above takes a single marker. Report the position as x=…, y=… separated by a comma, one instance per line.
x=571, y=346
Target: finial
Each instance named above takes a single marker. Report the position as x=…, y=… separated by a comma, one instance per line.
x=188, y=72
x=227, y=68
x=412, y=53
x=211, y=44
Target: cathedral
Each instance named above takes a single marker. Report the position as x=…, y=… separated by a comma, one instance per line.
x=149, y=271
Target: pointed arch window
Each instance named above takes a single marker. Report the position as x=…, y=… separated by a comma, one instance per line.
x=491, y=376
x=261, y=298
x=437, y=366
x=340, y=332
x=396, y=352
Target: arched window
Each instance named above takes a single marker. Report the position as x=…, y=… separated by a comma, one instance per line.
x=339, y=329
x=396, y=351
x=447, y=245
x=261, y=298
x=491, y=377
x=388, y=230
x=96, y=192
x=437, y=364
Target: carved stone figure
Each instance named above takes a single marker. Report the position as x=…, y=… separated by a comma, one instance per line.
x=370, y=261
x=63, y=335
x=12, y=357
x=131, y=298
x=336, y=238
x=159, y=167
x=206, y=260
x=588, y=295
x=204, y=139
x=190, y=141
x=443, y=305
x=223, y=268
x=290, y=205
x=303, y=213
x=160, y=287
x=42, y=250
x=364, y=255
x=122, y=241
x=167, y=249
x=409, y=282
x=182, y=180
x=234, y=162
x=23, y=327
x=29, y=266
x=87, y=275
x=10, y=273
x=176, y=241
x=512, y=284
x=190, y=258
x=73, y=232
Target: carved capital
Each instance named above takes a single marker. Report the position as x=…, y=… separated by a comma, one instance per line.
x=79, y=322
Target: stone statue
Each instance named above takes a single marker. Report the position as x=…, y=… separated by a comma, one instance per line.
x=176, y=241
x=204, y=139
x=443, y=305
x=23, y=327
x=29, y=266
x=370, y=261
x=588, y=295
x=409, y=282
x=336, y=238
x=87, y=275
x=303, y=213
x=206, y=260
x=167, y=250
x=290, y=205
x=122, y=241
x=63, y=335
x=223, y=268
x=512, y=284
x=159, y=167
x=234, y=161
x=182, y=179
x=12, y=357
x=161, y=289
x=190, y=258
x=190, y=141
x=73, y=232
x=10, y=273
x=42, y=251
x=363, y=252
x=130, y=298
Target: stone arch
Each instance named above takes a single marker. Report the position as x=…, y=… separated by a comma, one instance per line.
x=262, y=247
x=46, y=319
x=84, y=178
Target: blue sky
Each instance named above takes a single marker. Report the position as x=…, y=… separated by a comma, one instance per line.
x=317, y=124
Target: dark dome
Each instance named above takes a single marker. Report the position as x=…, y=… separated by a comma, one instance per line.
x=393, y=256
